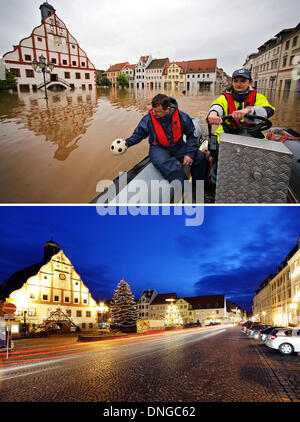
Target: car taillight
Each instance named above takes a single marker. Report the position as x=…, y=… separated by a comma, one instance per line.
x=273, y=337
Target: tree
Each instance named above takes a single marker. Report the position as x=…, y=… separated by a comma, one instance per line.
x=10, y=81
x=173, y=316
x=123, y=308
x=103, y=81
x=123, y=80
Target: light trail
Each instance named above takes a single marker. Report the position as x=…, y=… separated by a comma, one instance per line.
x=144, y=339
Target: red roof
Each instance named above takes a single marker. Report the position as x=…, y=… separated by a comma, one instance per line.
x=195, y=66
x=117, y=67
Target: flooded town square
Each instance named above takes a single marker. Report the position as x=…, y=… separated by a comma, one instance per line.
x=57, y=150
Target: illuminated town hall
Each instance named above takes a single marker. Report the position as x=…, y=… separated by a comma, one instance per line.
x=50, y=295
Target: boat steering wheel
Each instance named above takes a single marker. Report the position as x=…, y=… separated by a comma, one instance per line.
x=246, y=128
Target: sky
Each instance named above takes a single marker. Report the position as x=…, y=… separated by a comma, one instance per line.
x=231, y=252
x=117, y=31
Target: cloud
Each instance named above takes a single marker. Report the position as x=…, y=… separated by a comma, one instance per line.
x=117, y=31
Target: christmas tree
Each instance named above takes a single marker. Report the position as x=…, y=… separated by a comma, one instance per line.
x=123, y=308
x=173, y=317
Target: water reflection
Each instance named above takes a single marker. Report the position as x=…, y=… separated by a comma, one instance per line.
x=57, y=151
x=61, y=119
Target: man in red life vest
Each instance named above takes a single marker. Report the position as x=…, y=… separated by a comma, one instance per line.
x=165, y=126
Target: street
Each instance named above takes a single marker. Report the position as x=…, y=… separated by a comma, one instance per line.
x=206, y=364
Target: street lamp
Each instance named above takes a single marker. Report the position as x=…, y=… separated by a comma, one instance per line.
x=101, y=308
x=43, y=67
x=25, y=323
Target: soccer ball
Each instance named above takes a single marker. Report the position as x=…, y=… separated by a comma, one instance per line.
x=118, y=146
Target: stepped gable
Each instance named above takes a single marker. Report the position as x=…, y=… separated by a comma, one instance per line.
x=16, y=281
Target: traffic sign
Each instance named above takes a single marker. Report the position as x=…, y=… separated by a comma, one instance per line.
x=9, y=316
x=9, y=308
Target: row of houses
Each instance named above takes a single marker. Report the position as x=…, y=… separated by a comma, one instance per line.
x=161, y=73
x=211, y=309
x=277, y=300
x=50, y=295
x=276, y=64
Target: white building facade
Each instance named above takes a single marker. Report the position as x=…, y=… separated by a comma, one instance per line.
x=52, y=40
x=140, y=71
x=49, y=289
x=154, y=73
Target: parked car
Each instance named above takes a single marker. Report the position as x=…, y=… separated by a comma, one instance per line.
x=266, y=331
x=256, y=331
x=192, y=324
x=245, y=326
x=253, y=328
x=286, y=340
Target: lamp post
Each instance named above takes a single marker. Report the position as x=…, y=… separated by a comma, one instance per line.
x=42, y=67
x=25, y=323
x=101, y=308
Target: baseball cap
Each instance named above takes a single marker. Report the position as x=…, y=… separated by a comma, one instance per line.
x=242, y=72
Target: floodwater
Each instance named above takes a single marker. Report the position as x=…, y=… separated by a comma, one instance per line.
x=56, y=151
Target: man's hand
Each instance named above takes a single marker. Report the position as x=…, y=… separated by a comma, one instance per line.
x=214, y=118
x=187, y=161
x=239, y=114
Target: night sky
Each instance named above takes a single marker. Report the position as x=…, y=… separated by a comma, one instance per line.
x=231, y=252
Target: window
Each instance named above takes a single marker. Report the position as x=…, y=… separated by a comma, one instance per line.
x=27, y=57
x=74, y=63
x=88, y=314
x=15, y=72
x=64, y=62
x=83, y=325
x=53, y=61
x=295, y=41
x=83, y=64
x=78, y=314
x=76, y=300
x=56, y=298
x=67, y=75
x=45, y=297
x=67, y=299
x=29, y=73
x=287, y=45
x=87, y=76
x=84, y=301
x=90, y=325
x=77, y=75
x=40, y=39
x=284, y=62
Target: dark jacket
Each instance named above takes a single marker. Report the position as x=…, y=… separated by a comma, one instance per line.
x=145, y=129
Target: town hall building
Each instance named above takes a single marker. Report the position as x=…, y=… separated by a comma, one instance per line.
x=52, y=43
x=50, y=295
